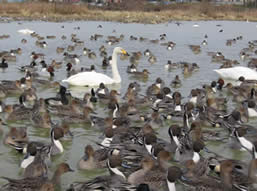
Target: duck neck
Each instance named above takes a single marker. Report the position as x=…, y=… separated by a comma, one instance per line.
x=57, y=177
x=58, y=144
x=116, y=171
x=196, y=157
x=227, y=181
x=171, y=186
x=115, y=73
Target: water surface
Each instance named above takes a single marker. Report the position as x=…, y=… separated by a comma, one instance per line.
x=182, y=35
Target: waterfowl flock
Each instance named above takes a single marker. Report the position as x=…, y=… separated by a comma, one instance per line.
x=145, y=118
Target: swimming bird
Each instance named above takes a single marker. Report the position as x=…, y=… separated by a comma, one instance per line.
x=3, y=64
x=236, y=72
x=38, y=183
x=94, y=78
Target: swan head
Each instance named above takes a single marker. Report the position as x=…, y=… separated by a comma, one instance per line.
x=121, y=51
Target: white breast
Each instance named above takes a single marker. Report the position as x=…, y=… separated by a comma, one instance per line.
x=26, y=162
x=252, y=112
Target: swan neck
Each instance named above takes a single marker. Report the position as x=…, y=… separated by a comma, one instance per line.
x=115, y=72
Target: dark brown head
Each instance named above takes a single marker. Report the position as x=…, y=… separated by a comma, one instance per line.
x=174, y=130
x=115, y=161
x=150, y=139
x=198, y=146
x=32, y=149
x=174, y=173
x=109, y=132
x=63, y=168
x=89, y=151
x=57, y=133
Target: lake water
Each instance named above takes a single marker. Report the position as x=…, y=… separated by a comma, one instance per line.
x=182, y=35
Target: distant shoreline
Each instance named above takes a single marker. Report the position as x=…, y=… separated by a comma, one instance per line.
x=148, y=15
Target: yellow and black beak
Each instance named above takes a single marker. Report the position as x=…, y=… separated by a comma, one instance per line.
x=124, y=52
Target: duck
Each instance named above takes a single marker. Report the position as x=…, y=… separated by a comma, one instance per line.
x=144, y=74
x=82, y=118
x=102, y=92
x=38, y=166
x=107, y=182
x=174, y=174
x=30, y=156
x=148, y=174
x=171, y=65
x=37, y=183
x=131, y=68
x=93, y=159
x=16, y=136
x=204, y=42
x=4, y=64
x=176, y=82
x=94, y=78
x=236, y=72
x=41, y=120
x=61, y=99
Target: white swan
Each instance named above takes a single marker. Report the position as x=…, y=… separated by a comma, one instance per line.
x=26, y=31
x=236, y=72
x=93, y=78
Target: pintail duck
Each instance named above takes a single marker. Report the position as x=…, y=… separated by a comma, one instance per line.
x=115, y=180
x=41, y=120
x=149, y=174
x=30, y=156
x=38, y=183
x=82, y=118
x=174, y=174
x=93, y=159
x=251, y=108
x=17, y=113
x=155, y=88
x=13, y=87
x=16, y=136
x=37, y=167
x=56, y=146
x=28, y=98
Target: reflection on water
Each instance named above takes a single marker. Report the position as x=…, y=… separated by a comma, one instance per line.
x=182, y=35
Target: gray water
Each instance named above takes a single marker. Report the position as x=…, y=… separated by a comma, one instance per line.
x=182, y=35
